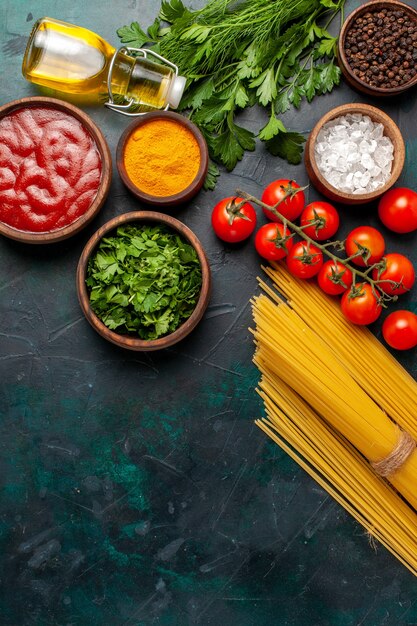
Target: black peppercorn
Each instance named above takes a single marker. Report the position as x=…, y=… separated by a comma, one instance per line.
x=381, y=47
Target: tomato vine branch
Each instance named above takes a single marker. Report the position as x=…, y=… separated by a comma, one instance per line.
x=356, y=273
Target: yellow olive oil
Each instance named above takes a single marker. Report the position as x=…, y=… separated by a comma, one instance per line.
x=75, y=61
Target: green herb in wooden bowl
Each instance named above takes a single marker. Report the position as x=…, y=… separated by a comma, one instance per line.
x=143, y=282
x=275, y=53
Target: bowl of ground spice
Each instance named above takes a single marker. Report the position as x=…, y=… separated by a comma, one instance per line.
x=377, y=48
x=55, y=170
x=143, y=281
x=162, y=158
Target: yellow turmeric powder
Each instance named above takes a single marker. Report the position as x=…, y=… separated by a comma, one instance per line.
x=162, y=157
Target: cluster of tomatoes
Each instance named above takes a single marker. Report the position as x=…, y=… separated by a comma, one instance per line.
x=365, y=279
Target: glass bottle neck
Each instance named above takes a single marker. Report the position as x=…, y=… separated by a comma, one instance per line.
x=141, y=80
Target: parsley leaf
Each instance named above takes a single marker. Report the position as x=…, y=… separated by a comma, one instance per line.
x=144, y=280
x=330, y=4
x=282, y=103
x=171, y=11
x=267, y=88
x=153, y=31
x=134, y=36
x=275, y=53
x=232, y=143
x=289, y=144
x=211, y=176
x=271, y=129
x=329, y=75
x=312, y=83
x=197, y=94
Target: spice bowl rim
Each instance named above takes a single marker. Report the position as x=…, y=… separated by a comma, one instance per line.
x=377, y=115
x=344, y=64
x=192, y=189
x=131, y=342
x=54, y=236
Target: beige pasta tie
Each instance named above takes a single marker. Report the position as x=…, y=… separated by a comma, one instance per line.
x=395, y=459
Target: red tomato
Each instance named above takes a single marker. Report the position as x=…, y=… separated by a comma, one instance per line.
x=273, y=241
x=324, y=220
x=369, y=241
x=397, y=210
x=287, y=195
x=360, y=305
x=334, y=278
x=304, y=260
x=395, y=267
x=400, y=330
x=233, y=219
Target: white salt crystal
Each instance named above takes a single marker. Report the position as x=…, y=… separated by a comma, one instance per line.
x=342, y=164
x=365, y=127
x=386, y=143
x=353, y=157
x=375, y=171
x=353, y=154
x=382, y=159
x=377, y=132
x=332, y=159
x=375, y=184
x=364, y=146
x=364, y=181
x=334, y=178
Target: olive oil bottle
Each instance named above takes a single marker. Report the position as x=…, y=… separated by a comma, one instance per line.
x=77, y=63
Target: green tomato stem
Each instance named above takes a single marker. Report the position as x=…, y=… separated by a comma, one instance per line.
x=383, y=297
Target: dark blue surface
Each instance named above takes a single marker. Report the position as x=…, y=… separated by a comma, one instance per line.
x=135, y=488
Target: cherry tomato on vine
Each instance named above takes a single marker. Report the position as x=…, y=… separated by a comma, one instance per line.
x=273, y=241
x=304, y=260
x=288, y=194
x=233, y=219
x=369, y=242
x=323, y=219
x=360, y=305
x=397, y=268
x=334, y=278
x=400, y=330
x=397, y=210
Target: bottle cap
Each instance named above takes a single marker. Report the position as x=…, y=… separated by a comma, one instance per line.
x=176, y=90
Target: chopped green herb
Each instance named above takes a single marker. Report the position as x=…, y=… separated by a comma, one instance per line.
x=237, y=53
x=144, y=280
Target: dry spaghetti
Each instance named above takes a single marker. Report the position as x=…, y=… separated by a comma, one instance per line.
x=366, y=359
x=336, y=416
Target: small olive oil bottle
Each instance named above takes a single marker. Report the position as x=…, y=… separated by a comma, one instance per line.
x=77, y=63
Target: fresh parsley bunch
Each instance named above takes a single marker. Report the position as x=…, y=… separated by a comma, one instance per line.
x=239, y=53
x=144, y=280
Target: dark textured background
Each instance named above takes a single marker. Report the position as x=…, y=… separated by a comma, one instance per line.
x=135, y=488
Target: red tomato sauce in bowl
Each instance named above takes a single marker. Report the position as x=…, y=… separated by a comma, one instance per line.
x=50, y=169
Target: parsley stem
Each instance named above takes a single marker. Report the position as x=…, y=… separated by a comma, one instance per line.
x=266, y=47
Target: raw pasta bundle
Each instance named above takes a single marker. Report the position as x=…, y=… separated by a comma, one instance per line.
x=331, y=404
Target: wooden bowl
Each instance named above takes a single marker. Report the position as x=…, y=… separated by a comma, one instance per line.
x=129, y=341
x=345, y=67
x=186, y=194
x=59, y=234
x=391, y=130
